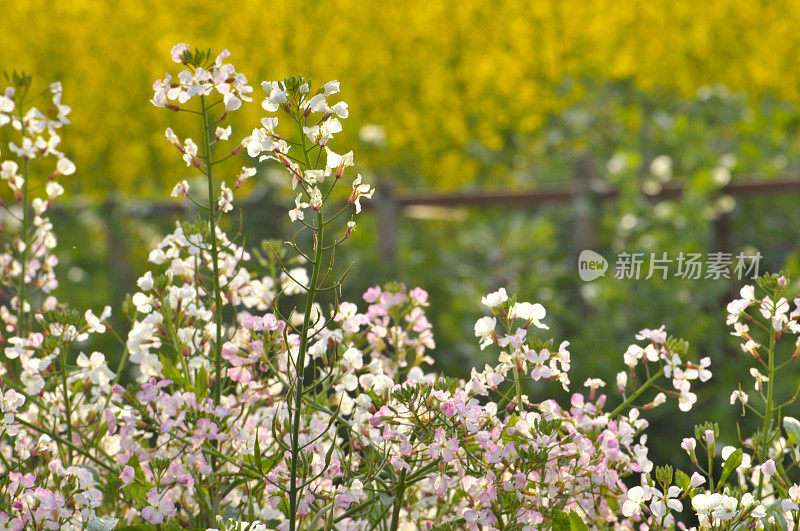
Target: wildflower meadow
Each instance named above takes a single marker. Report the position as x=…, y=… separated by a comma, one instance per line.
x=246, y=393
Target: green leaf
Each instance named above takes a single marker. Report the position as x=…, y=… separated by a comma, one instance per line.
x=575, y=522
x=683, y=481
x=792, y=427
x=561, y=521
x=201, y=383
x=102, y=524
x=170, y=371
x=257, y=454
x=733, y=461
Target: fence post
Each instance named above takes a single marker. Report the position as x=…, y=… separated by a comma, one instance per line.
x=584, y=205
x=387, y=215
x=722, y=244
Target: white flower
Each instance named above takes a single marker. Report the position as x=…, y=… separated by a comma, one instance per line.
x=594, y=383
x=53, y=190
x=739, y=395
x=225, y=202
x=662, y=504
x=190, y=151
x=338, y=162
x=768, y=468
x=622, y=381
x=686, y=400
x=636, y=497
x=791, y=504
x=671, y=364
x=7, y=106
x=331, y=87
x=145, y=282
x=540, y=370
x=696, y=480
x=95, y=368
x=493, y=300
x=297, y=212
x=759, y=379
x=350, y=318
x=142, y=302
x=8, y=170
x=64, y=166
x=223, y=133
x=277, y=96
x=359, y=191
x=178, y=50
x=172, y=137
x=95, y=324
x=318, y=103
x=315, y=198
x=340, y=110
x=182, y=188
x=323, y=133
x=484, y=329
x=27, y=150
x=245, y=174
x=17, y=348
x=352, y=359
x=529, y=312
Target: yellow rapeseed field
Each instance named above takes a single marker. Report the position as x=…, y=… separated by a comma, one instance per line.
x=436, y=74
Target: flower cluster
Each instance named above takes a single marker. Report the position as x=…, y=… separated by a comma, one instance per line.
x=320, y=122
x=201, y=79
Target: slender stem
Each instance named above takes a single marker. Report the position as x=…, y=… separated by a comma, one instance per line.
x=634, y=396
x=212, y=227
x=710, y=452
x=518, y=388
x=22, y=325
x=67, y=406
x=398, y=500
x=768, y=409
x=298, y=387
x=301, y=356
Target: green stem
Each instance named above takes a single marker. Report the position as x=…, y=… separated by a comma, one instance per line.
x=518, y=388
x=301, y=357
x=710, y=452
x=212, y=227
x=768, y=410
x=67, y=407
x=398, y=500
x=634, y=396
x=22, y=325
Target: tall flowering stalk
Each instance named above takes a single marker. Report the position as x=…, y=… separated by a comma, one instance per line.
x=36, y=138
x=205, y=78
x=48, y=403
x=316, y=123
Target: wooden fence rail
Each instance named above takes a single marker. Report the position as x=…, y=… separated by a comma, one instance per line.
x=583, y=194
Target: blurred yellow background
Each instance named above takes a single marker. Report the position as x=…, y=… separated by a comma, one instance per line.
x=435, y=74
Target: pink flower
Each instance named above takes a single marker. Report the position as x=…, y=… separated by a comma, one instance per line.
x=127, y=476
x=418, y=295
x=160, y=506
